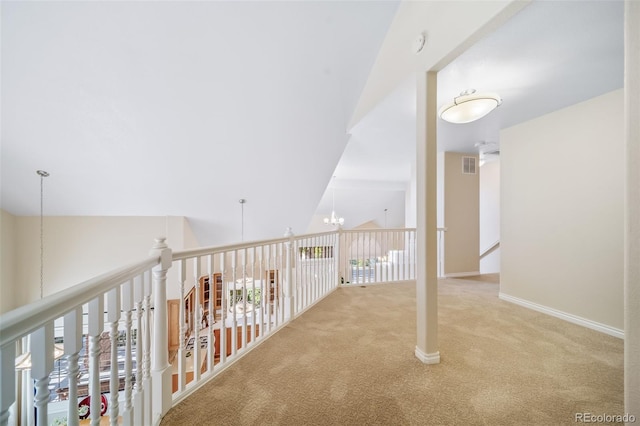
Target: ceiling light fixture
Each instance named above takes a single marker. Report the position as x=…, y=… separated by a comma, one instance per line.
x=334, y=220
x=469, y=107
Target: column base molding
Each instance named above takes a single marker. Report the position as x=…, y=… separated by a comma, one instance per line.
x=433, y=358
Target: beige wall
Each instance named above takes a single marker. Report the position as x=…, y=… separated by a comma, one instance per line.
x=8, y=259
x=562, y=210
x=78, y=248
x=461, y=217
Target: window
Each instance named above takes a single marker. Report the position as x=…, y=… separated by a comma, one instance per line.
x=315, y=252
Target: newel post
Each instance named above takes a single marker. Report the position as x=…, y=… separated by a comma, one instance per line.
x=289, y=300
x=160, y=368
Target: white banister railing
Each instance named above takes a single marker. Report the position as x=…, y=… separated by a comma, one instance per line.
x=81, y=311
x=139, y=339
x=490, y=249
x=373, y=256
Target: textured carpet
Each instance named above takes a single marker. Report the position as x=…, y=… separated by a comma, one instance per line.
x=350, y=361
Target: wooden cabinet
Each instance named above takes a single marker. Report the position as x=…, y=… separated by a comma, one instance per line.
x=189, y=311
x=273, y=284
x=173, y=312
x=207, y=292
x=228, y=342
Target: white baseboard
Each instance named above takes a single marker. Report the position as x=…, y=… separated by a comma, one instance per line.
x=462, y=274
x=427, y=358
x=612, y=331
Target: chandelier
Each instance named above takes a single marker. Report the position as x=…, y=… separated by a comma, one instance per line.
x=334, y=220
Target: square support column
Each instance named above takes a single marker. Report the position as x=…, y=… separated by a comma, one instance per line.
x=426, y=230
x=632, y=209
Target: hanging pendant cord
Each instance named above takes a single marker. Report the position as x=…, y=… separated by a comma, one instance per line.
x=242, y=201
x=42, y=175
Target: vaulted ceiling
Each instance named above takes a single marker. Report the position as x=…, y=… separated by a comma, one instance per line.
x=549, y=55
x=183, y=108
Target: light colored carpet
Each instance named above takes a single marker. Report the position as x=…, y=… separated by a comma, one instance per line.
x=350, y=361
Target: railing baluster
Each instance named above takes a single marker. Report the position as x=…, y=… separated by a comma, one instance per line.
x=279, y=267
x=289, y=297
x=127, y=307
x=72, y=347
x=41, y=367
x=311, y=268
x=244, y=299
x=267, y=288
x=321, y=265
x=96, y=325
x=261, y=273
x=113, y=317
x=368, y=257
x=300, y=283
x=146, y=350
x=197, y=321
x=211, y=316
x=138, y=398
x=387, y=256
x=326, y=263
x=225, y=307
x=182, y=328
x=254, y=312
x=405, y=256
x=234, y=300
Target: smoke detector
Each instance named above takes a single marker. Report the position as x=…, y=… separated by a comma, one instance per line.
x=419, y=42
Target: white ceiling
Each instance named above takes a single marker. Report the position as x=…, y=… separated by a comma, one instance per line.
x=550, y=55
x=161, y=108
x=182, y=108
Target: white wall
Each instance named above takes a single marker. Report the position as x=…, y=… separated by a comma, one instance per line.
x=562, y=210
x=440, y=189
x=490, y=215
x=410, y=208
x=77, y=248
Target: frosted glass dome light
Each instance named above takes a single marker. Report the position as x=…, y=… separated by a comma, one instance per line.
x=469, y=106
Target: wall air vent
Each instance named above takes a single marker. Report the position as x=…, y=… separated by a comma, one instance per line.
x=469, y=165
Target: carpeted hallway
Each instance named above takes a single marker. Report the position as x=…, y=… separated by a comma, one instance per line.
x=349, y=361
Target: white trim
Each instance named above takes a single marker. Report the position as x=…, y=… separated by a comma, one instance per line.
x=427, y=358
x=462, y=274
x=376, y=283
x=603, y=328
x=489, y=249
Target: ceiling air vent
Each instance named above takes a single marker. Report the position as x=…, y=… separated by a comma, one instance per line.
x=469, y=165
